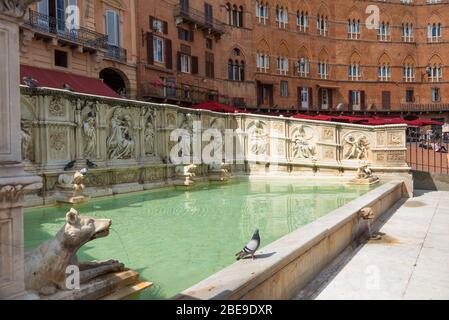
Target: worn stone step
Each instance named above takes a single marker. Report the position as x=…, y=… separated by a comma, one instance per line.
x=127, y=291
x=99, y=287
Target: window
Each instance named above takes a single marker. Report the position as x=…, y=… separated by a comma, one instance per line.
x=282, y=65
x=113, y=28
x=384, y=72
x=435, y=73
x=323, y=70
x=302, y=20
x=303, y=67
x=184, y=34
x=322, y=25
x=407, y=32
x=210, y=65
x=235, y=15
x=209, y=43
x=281, y=16
x=158, y=49
x=436, y=95
x=185, y=63
x=262, y=11
x=356, y=100
x=236, y=70
x=262, y=62
x=61, y=59
x=208, y=13
x=406, y=1
x=433, y=1
x=284, y=89
x=353, y=29
x=354, y=72
x=408, y=73
x=383, y=32
x=434, y=32
x=409, y=95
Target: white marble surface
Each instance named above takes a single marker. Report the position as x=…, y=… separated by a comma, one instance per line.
x=411, y=262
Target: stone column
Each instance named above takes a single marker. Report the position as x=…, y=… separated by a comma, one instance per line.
x=14, y=181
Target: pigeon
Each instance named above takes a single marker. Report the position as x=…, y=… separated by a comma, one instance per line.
x=67, y=86
x=83, y=171
x=30, y=82
x=69, y=165
x=90, y=164
x=251, y=247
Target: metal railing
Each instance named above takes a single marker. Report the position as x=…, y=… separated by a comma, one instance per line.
x=48, y=24
x=200, y=18
x=428, y=151
x=424, y=106
x=185, y=93
x=116, y=53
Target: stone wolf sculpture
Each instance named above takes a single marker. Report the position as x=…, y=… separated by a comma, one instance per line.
x=45, y=266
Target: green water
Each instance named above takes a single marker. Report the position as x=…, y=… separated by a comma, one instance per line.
x=177, y=237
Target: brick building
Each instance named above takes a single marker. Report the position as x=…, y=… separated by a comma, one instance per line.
x=262, y=54
x=296, y=55
x=103, y=47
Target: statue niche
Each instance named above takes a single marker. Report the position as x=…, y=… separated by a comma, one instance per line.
x=303, y=147
x=120, y=143
x=149, y=134
x=257, y=138
x=90, y=136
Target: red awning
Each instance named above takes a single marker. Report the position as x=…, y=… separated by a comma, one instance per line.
x=372, y=121
x=57, y=79
x=217, y=107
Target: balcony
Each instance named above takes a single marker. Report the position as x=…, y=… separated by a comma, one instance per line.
x=49, y=28
x=187, y=94
x=199, y=20
x=116, y=53
x=424, y=107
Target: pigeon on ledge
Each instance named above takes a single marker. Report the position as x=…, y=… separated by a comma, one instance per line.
x=90, y=164
x=251, y=247
x=69, y=165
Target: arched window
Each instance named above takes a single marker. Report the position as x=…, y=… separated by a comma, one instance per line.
x=383, y=32
x=407, y=32
x=434, y=32
x=235, y=15
x=236, y=67
x=302, y=20
x=281, y=16
x=322, y=25
x=353, y=28
x=262, y=11
x=303, y=67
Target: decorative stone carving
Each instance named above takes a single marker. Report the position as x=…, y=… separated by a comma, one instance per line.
x=171, y=120
x=186, y=123
x=395, y=139
x=356, y=148
x=70, y=187
x=26, y=140
x=303, y=147
x=26, y=38
x=219, y=172
x=57, y=140
x=185, y=174
x=90, y=136
x=258, y=139
x=46, y=266
x=15, y=8
x=149, y=134
x=56, y=107
x=364, y=176
x=120, y=143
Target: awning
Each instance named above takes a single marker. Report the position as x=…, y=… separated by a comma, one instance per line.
x=217, y=107
x=57, y=79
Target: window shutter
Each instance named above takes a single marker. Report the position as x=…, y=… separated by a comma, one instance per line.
x=350, y=100
x=191, y=34
x=329, y=92
x=150, y=52
x=178, y=61
x=151, y=23
x=117, y=28
x=298, y=93
x=362, y=99
x=310, y=98
x=194, y=65
x=168, y=54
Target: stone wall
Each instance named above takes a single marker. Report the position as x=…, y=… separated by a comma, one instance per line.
x=129, y=141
